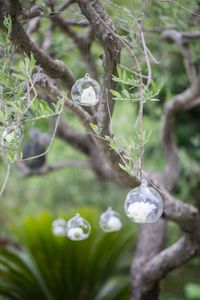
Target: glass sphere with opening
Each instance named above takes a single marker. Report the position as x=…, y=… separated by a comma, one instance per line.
x=78, y=228
x=110, y=221
x=86, y=91
x=143, y=204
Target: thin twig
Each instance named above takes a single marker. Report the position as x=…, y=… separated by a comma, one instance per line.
x=5, y=180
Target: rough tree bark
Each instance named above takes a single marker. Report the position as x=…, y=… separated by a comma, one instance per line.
x=151, y=263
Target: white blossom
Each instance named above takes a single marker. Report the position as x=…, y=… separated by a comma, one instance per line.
x=88, y=96
x=139, y=211
x=114, y=224
x=75, y=234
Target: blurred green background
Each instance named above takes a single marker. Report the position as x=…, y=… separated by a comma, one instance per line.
x=29, y=205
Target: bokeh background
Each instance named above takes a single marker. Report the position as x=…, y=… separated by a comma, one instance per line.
x=98, y=269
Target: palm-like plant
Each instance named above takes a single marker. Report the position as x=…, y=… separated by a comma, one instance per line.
x=54, y=268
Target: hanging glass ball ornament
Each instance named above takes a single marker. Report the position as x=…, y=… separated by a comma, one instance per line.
x=59, y=227
x=86, y=91
x=11, y=137
x=110, y=221
x=143, y=204
x=78, y=228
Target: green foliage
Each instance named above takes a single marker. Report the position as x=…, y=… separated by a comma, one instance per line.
x=128, y=151
x=189, y=174
x=19, y=101
x=131, y=87
x=192, y=291
x=132, y=90
x=95, y=128
x=67, y=188
x=51, y=267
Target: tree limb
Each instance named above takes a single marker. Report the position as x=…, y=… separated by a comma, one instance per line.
x=54, y=68
x=44, y=84
x=182, y=40
x=48, y=88
x=103, y=27
x=82, y=43
x=176, y=105
x=149, y=244
x=18, y=36
x=167, y=260
x=70, y=135
x=27, y=172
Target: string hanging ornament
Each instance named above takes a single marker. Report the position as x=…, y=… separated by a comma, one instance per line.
x=143, y=204
x=110, y=221
x=78, y=228
x=86, y=91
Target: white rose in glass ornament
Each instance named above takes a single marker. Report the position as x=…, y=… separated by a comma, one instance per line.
x=11, y=137
x=110, y=221
x=143, y=204
x=78, y=228
x=59, y=227
x=86, y=91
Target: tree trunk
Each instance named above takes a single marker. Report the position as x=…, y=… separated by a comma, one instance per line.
x=149, y=244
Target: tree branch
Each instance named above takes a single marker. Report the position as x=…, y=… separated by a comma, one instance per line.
x=151, y=237
x=27, y=172
x=164, y=262
x=176, y=105
x=54, y=68
x=48, y=88
x=70, y=135
x=82, y=43
x=184, y=214
x=82, y=23
x=103, y=28
x=182, y=40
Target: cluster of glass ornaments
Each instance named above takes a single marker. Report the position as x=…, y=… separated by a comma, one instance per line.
x=86, y=91
x=110, y=221
x=76, y=229
x=143, y=204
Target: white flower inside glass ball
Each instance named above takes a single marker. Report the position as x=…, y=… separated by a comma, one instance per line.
x=143, y=204
x=76, y=229
x=86, y=91
x=110, y=221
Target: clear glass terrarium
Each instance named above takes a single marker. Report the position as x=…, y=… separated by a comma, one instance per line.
x=86, y=91
x=143, y=204
x=59, y=227
x=110, y=221
x=78, y=228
